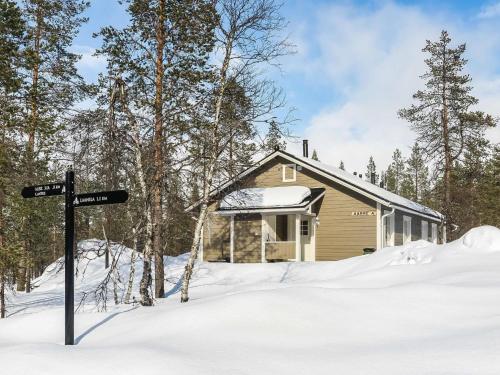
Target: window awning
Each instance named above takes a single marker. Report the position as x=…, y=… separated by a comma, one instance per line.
x=282, y=198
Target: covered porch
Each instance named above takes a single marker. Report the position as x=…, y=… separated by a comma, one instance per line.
x=271, y=224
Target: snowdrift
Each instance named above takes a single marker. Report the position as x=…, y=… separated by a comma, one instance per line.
x=414, y=309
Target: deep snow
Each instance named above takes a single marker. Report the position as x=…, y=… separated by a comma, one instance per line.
x=415, y=309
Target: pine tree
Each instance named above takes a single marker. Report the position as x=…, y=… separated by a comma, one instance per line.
x=315, y=156
x=162, y=57
x=274, y=139
x=371, y=171
x=395, y=173
x=442, y=116
x=473, y=187
x=488, y=191
x=50, y=88
x=341, y=165
x=11, y=34
x=416, y=176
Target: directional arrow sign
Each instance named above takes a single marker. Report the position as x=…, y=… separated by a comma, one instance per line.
x=56, y=188
x=103, y=197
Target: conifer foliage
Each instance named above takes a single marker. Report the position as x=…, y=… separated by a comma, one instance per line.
x=443, y=116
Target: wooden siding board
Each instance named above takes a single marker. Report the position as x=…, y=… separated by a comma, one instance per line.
x=247, y=238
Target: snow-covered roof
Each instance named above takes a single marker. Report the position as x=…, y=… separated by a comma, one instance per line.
x=358, y=184
x=369, y=187
x=283, y=196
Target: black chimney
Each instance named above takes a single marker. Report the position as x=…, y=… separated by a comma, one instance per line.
x=305, y=148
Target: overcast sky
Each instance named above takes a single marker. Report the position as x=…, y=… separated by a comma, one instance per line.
x=357, y=63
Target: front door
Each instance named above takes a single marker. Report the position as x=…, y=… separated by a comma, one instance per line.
x=307, y=238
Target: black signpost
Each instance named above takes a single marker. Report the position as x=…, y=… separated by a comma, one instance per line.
x=71, y=201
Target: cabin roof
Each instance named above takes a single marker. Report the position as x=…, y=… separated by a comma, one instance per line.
x=342, y=177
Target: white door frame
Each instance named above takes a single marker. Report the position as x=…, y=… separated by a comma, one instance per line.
x=312, y=236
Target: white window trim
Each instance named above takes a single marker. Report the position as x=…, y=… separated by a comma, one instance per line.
x=434, y=233
x=283, y=168
x=231, y=240
x=424, y=224
x=391, y=220
x=408, y=220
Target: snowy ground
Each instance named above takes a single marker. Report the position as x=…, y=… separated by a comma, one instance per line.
x=418, y=309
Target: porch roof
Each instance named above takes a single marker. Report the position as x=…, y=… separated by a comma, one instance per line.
x=283, y=198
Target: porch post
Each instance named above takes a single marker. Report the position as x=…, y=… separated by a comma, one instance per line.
x=379, y=227
x=297, y=238
x=231, y=239
x=263, y=240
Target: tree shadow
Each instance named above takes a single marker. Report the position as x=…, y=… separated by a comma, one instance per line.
x=105, y=320
x=175, y=288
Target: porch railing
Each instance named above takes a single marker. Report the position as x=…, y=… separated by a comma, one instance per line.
x=280, y=250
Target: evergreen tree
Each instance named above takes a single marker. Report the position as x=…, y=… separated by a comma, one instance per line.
x=442, y=116
x=416, y=176
x=162, y=56
x=395, y=173
x=371, y=171
x=474, y=186
x=315, y=156
x=50, y=88
x=488, y=191
x=274, y=139
x=11, y=33
x=341, y=165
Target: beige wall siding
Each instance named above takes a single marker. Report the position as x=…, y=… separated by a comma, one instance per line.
x=247, y=238
x=216, y=236
x=340, y=234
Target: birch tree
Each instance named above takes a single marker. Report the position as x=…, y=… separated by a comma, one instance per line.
x=248, y=35
x=161, y=56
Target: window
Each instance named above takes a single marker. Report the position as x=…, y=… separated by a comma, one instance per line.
x=304, y=227
x=434, y=233
x=425, y=230
x=406, y=229
x=282, y=228
x=388, y=229
x=289, y=172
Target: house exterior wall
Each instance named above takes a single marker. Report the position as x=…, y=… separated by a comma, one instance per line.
x=339, y=234
x=247, y=238
x=216, y=236
x=416, y=227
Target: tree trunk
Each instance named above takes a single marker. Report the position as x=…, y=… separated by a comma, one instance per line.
x=193, y=254
x=2, y=295
x=158, y=154
x=131, y=274
x=146, y=299
x=447, y=161
x=2, y=266
x=208, y=178
x=25, y=281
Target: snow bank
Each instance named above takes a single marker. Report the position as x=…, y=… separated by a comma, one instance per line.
x=284, y=196
x=414, y=309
